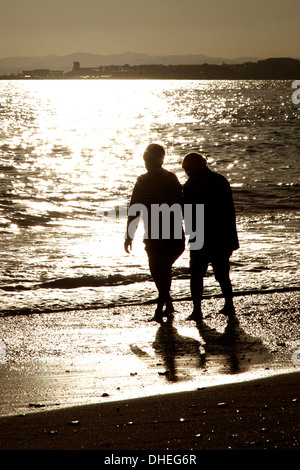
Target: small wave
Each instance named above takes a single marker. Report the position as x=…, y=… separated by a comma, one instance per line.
x=61, y=150
x=7, y=168
x=28, y=220
x=92, y=281
x=271, y=198
x=82, y=281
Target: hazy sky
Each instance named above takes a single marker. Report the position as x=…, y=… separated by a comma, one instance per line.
x=226, y=28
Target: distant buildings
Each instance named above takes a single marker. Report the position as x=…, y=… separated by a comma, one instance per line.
x=42, y=73
x=83, y=72
x=267, y=69
x=103, y=71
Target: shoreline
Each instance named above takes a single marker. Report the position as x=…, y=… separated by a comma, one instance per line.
x=29, y=311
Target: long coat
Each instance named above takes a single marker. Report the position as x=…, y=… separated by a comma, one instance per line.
x=213, y=190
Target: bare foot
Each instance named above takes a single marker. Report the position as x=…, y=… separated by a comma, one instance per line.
x=228, y=310
x=196, y=315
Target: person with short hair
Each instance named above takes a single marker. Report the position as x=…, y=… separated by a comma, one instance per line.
x=156, y=187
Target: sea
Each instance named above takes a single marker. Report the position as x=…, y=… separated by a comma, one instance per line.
x=70, y=153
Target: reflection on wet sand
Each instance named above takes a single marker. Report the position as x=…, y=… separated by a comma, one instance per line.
x=231, y=352
x=236, y=350
x=171, y=346
x=172, y=351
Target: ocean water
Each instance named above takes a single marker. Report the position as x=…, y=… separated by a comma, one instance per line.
x=70, y=152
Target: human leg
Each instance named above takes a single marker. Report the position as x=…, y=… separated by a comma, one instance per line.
x=173, y=251
x=198, y=268
x=161, y=256
x=161, y=272
x=221, y=267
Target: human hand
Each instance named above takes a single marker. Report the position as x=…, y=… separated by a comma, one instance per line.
x=128, y=245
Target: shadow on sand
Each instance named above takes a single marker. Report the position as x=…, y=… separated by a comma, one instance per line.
x=231, y=352
x=176, y=351
x=234, y=350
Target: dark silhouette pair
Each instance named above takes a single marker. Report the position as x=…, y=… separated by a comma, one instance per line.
x=160, y=187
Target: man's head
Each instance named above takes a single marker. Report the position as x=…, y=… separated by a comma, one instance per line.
x=154, y=156
x=194, y=164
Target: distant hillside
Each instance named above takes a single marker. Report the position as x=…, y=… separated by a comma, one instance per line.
x=10, y=65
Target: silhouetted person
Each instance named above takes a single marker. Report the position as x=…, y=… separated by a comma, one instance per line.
x=157, y=186
x=220, y=236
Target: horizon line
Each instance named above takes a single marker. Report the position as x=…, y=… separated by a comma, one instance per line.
x=152, y=55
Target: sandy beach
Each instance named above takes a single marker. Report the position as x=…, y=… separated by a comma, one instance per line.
x=256, y=415
x=109, y=379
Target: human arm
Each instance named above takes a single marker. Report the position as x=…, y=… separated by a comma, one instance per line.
x=132, y=222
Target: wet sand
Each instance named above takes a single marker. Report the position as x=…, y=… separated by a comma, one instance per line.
x=109, y=379
x=256, y=415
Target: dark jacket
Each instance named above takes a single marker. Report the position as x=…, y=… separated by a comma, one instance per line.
x=156, y=187
x=213, y=190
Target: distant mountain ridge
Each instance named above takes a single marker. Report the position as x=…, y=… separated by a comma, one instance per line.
x=10, y=65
